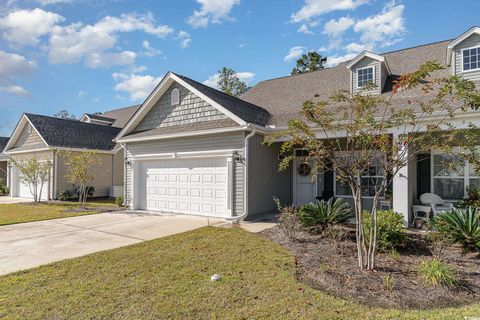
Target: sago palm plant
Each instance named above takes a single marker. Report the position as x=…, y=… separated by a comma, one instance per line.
x=324, y=213
x=460, y=226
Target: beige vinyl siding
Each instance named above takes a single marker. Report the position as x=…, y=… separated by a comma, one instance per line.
x=101, y=171
x=3, y=171
x=365, y=63
x=234, y=140
x=190, y=110
x=29, y=140
x=472, y=41
x=265, y=180
x=42, y=156
x=118, y=166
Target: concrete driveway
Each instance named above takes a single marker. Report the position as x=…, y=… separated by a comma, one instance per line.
x=11, y=200
x=27, y=245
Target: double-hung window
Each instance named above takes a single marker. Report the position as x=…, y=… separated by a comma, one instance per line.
x=471, y=59
x=365, y=76
x=452, y=176
x=370, y=179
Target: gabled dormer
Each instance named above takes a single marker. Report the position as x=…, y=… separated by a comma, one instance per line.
x=97, y=119
x=365, y=69
x=463, y=54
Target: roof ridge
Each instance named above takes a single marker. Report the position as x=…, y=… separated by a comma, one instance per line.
x=345, y=62
x=71, y=120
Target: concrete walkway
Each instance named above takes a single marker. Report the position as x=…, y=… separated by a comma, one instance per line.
x=27, y=245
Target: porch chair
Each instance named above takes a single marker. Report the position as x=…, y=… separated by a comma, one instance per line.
x=437, y=204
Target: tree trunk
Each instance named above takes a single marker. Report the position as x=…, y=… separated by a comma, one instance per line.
x=359, y=227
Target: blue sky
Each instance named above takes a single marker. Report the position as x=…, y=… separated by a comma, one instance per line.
x=87, y=55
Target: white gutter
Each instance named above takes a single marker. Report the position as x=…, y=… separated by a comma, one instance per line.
x=245, y=180
x=124, y=174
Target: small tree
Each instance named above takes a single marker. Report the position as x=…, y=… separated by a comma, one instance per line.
x=79, y=171
x=230, y=83
x=309, y=61
x=65, y=114
x=34, y=173
x=361, y=132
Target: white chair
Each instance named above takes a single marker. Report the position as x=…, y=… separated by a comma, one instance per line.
x=435, y=202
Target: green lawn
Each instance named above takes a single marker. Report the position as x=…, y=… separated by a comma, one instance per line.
x=169, y=278
x=18, y=213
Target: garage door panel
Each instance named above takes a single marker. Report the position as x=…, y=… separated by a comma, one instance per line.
x=191, y=186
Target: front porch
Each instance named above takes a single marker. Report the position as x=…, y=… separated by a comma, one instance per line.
x=445, y=175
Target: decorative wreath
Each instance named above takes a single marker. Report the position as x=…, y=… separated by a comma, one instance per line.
x=304, y=169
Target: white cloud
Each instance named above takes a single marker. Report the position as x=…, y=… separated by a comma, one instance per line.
x=149, y=51
x=334, y=60
x=184, y=38
x=335, y=28
x=212, y=81
x=137, y=86
x=211, y=11
x=11, y=66
x=315, y=8
x=295, y=53
x=385, y=28
x=82, y=94
x=25, y=27
x=93, y=44
x=304, y=29
x=16, y=90
x=357, y=47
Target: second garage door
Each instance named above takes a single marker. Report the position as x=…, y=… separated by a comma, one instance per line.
x=189, y=186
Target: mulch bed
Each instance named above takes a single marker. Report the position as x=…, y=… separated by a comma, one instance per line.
x=331, y=266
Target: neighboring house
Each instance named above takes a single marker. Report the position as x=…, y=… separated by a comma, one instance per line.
x=46, y=137
x=192, y=149
x=3, y=159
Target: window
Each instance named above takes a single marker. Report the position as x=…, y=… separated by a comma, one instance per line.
x=175, y=97
x=451, y=176
x=364, y=76
x=369, y=180
x=471, y=59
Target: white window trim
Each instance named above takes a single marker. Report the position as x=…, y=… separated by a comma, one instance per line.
x=461, y=60
x=466, y=173
x=359, y=177
x=374, y=80
x=177, y=102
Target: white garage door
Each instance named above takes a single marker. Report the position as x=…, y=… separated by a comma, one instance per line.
x=189, y=186
x=23, y=190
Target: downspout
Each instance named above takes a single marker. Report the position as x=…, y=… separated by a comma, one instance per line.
x=124, y=174
x=245, y=177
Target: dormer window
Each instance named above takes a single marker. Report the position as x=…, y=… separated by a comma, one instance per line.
x=471, y=59
x=175, y=97
x=365, y=76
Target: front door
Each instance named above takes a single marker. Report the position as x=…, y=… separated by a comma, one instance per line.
x=305, y=188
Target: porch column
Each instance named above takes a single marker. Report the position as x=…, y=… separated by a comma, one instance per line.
x=401, y=192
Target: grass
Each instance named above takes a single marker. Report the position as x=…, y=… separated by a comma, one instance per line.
x=169, y=278
x=24, y=212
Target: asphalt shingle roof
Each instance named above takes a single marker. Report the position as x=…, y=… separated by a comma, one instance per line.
x=121, y=116
x=283, y=97
x=245, y=110
x=73, y=133
x=3, y=143
x=99, y=117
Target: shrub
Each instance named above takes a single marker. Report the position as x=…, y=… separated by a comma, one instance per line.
x=473, y=199
x=324, y=213
x=460, y=226
x=288, y=219
x=435, y=272
x=119, y=201
x=65, y=195
x=3, y=187
x=390, y=231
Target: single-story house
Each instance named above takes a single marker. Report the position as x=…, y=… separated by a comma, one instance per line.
x=195, y=150
x=3, y=159
x=46, y=137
